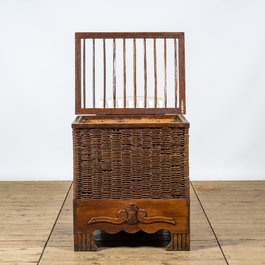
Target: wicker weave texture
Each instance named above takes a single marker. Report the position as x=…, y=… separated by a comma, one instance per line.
x=131, y=163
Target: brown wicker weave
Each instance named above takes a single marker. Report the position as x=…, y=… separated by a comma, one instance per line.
x=131, y=163
x=131, y=171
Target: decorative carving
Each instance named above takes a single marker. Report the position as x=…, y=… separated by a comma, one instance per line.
x=84, y=242
x=179, y=242
x=131, y=211
x=131, y=215
x=141, y=216
x=122, y=216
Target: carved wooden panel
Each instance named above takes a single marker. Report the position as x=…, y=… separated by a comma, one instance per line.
x=131, y=215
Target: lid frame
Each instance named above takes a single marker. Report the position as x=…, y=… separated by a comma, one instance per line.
x=180, y=96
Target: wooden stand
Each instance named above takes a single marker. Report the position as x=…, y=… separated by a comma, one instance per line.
x=130, y=171
x=113, y=216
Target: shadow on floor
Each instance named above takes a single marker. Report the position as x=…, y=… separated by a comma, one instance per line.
x=158, y=239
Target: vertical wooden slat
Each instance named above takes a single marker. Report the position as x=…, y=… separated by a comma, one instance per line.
x=104, y=62
x=188, y=241
x=182, y=103
x=124, y=73
x=84, y=73
x=134, y=71
x=145, y=75
x=80, y=242
x=76, y=245
x=179, y=242
x=94, y=73
x=77, y=74
x=175, y=241
x=155, y=74
x=114, y=73
x=176, y=73
x=84, y=242
x=165, y=72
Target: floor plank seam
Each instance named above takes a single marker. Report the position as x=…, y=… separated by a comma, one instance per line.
x=210, y=224
x=46, y=243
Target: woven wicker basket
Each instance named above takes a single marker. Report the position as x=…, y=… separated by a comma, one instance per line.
x=130, y=170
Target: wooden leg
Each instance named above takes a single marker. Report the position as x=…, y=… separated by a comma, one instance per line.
x=179, y=242
x=84, y=242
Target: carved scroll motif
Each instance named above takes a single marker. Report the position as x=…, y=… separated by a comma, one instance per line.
x=131, y=215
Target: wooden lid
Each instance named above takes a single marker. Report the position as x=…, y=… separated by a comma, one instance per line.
x=130, y=73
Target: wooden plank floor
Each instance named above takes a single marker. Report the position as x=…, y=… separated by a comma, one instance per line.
x=28, y=213
x=227, y=227
x=236, y=211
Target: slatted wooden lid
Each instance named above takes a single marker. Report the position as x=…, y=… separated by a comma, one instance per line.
x=130, y=73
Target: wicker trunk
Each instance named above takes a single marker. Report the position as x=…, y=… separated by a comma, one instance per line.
x=131, y=171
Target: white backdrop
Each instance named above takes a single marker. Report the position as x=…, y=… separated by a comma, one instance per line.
x=225, y=77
